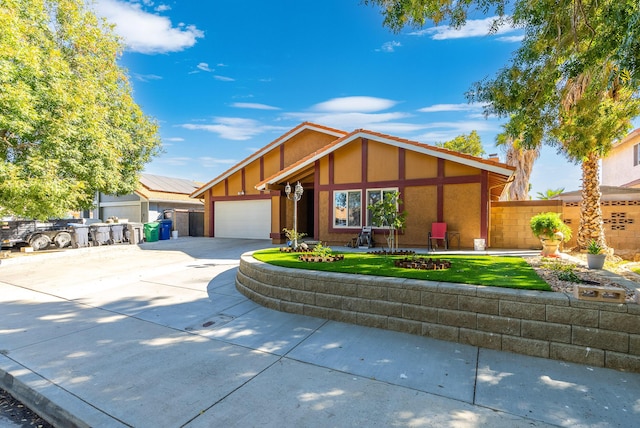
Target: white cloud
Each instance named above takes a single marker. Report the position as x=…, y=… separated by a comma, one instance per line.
x=209, y=162
x=146, y=77
x=146, y=32
x=353, y=120
x=233, y=128
x=176, y=161
x=354, y=104
x=389, y=46
x=224, y=78
x=163, y=8
x=255, y=106
x=174, y=139
x=204, y=67
x=472, y=28
x=511, y=39
x=436, y=108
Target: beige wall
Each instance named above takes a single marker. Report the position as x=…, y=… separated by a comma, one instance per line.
x=462, y=212
x=382, y=162
x=348, y=164
x=418, y=165
x=304, y=143
x=422, y=210
x=510, y=223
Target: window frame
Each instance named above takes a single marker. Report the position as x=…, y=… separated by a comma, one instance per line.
x=636, y=154
x=382, y=191
x=347, y=224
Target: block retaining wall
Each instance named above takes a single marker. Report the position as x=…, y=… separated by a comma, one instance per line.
x=537, y=323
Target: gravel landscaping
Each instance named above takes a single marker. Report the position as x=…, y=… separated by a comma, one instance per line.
x=555, y=271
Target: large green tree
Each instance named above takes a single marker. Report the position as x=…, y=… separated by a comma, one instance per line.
x=573, y=83
x=470, y=144
x=68, y=123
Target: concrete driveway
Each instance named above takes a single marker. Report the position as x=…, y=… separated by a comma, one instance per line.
x=156, y=335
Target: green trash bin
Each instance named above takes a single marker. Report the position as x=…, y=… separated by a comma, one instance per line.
x=151, y=231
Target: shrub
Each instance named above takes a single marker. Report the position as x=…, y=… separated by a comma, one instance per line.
x=546, y=225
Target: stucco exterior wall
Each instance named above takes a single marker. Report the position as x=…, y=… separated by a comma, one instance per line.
x=304, y=143
x=323, y=177
x=418, y=165
x=252, y=176
x=348, y=164
x=271, y=163
x=234, y=184
x=453, y=169
x=462, y=212
x=382, y=162
x=618, y=168
x=422, y=210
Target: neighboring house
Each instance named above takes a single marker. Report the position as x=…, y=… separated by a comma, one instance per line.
x=154, y=195
x=621, y=167
x=342, y=173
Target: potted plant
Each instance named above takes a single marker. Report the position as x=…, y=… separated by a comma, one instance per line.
x=551, y=231
x=595, y=255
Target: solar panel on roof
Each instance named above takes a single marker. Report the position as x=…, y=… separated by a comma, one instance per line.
x=160, y=183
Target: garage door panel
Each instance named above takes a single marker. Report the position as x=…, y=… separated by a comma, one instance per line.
x=130, y=212
x=243, y=219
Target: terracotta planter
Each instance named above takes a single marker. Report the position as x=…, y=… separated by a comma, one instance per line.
x=596, y=261
x=550, y=247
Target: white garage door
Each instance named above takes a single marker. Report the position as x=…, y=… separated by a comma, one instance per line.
x=243, y=219
x=130, y=212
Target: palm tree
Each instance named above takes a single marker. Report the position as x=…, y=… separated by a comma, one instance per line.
x=523, y=159
x=550, y=193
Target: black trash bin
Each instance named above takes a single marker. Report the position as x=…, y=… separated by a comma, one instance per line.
x=165, y=229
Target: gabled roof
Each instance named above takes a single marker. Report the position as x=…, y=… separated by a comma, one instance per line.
x=161, y=183
x=276, y=143
x=438, y=152
x=158, y=188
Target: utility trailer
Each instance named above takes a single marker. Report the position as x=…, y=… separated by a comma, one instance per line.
x=40, y=235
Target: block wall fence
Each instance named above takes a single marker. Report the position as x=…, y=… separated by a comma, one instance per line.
x=541, y=324
x=509, y=223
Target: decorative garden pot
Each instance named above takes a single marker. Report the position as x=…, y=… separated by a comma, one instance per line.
x=550, y=247
x=596, y=261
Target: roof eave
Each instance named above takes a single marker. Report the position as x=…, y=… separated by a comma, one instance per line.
x=494, y=167
x=276, y=143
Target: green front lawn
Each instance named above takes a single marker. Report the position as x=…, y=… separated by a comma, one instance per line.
x=510, y=272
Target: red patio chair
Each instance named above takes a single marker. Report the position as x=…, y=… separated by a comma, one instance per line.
x=438, y=232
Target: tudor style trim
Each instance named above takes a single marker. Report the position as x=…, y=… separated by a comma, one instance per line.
x=437, y=152
x=199, y=193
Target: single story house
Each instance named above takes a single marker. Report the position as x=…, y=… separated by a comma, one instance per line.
x=344, y=172
x=155, y=195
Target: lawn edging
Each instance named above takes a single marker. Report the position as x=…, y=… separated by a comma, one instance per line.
x=537, y=323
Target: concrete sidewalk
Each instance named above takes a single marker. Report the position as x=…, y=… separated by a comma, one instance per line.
x=157, y=336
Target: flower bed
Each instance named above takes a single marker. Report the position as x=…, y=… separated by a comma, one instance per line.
x=422, y=263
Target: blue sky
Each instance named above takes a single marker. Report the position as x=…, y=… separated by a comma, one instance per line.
x=226, y=77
